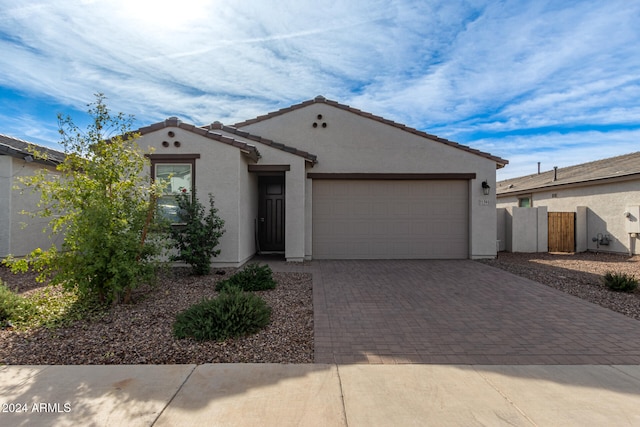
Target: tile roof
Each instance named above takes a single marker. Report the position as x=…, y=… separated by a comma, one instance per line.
x=627, y=165
x=321, y=99
x=20, y=148
x=230, y=129
x=248, y=149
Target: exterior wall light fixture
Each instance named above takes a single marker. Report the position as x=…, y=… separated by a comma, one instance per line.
x=485, y=188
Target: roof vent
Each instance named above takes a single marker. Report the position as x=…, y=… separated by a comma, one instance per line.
x=215, y=125
x=555, y=173
x=320, y=98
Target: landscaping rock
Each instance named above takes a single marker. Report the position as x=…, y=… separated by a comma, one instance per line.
x=141, y=333
x=579, y=274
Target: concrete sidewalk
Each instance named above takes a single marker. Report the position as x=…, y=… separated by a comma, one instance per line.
x=322, y=395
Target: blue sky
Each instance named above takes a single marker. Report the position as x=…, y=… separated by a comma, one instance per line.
x=556, y=82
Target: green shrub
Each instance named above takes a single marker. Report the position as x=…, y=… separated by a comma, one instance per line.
x=254, y=277
x=197, y=239
x=232, y=314
x=13, y=307
x=620, y=282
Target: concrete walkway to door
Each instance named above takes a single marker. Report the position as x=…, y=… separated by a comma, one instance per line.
x=456, y=312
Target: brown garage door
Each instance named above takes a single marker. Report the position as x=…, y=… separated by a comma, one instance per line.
x=378, y=219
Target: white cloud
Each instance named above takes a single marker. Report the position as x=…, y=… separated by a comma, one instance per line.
x=455, y=68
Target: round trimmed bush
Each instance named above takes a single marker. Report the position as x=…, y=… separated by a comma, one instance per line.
x=233, y=313
x=254, y=277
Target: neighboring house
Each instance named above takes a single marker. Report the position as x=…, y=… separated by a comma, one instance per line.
x=322, y=180
x=16, y=160
x=604, y=197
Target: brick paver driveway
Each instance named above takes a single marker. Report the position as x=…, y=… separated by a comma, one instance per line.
x=460, y=312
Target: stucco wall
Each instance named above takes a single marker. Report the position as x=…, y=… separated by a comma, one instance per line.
x=222, y=170
x=6, y=171
x=21, y=233
x=501, y=222
x=604, y=204
x=529, y=232
x=353, y=144
x=217, y=171
x=248, y=211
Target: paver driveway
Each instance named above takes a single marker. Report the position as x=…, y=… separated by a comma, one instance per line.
x=459, y=312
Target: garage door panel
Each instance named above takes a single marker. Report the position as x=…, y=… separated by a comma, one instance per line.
x=360, y=208
x=401, y=208
x=366, y=219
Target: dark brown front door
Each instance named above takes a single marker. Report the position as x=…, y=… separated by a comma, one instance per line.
x=271, y=213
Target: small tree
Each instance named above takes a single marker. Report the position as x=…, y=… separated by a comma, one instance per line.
x=198, y=235
x=103, y=203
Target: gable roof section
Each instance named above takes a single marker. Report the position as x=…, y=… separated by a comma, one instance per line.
x=210, y=132
x=321, y=99
x=19, y=148
x=619, y=167
x=249, y=150
x=312, y=158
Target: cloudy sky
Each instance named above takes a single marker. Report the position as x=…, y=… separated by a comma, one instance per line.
x=556, y=82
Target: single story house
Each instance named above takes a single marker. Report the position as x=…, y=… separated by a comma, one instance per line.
x=601, y=200
x=323, y=180
x=16, y=160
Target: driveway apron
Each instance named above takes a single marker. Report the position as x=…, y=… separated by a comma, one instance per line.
x=457, y=312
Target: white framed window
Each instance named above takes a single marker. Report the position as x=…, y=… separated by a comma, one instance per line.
x=178, y=179
x=178, y=174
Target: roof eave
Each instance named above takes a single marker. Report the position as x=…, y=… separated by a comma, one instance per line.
x=246, y=149
x=308, y=157
x=583, y=183
x=27, y=156
x=500, y=163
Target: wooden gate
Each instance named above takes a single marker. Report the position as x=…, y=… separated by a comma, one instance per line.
x=562, y=231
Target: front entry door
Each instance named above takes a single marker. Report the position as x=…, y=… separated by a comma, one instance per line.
x=271, y=213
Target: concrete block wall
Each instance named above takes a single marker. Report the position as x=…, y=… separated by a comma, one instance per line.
x=523, y=229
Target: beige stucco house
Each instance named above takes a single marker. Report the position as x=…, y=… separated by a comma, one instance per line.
x=322, y=180
x=19, y=233
x=603, y=195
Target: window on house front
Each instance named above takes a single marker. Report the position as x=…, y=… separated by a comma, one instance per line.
x=178, y=173
x=178, y=178
x=524, y=202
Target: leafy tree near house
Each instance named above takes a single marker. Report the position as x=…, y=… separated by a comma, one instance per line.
x=103, y=204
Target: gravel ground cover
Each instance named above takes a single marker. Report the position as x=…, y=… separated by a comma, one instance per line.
x=578, y=274
x=140, y=333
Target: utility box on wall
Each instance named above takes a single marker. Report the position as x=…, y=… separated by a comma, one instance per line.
x=632, y=219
